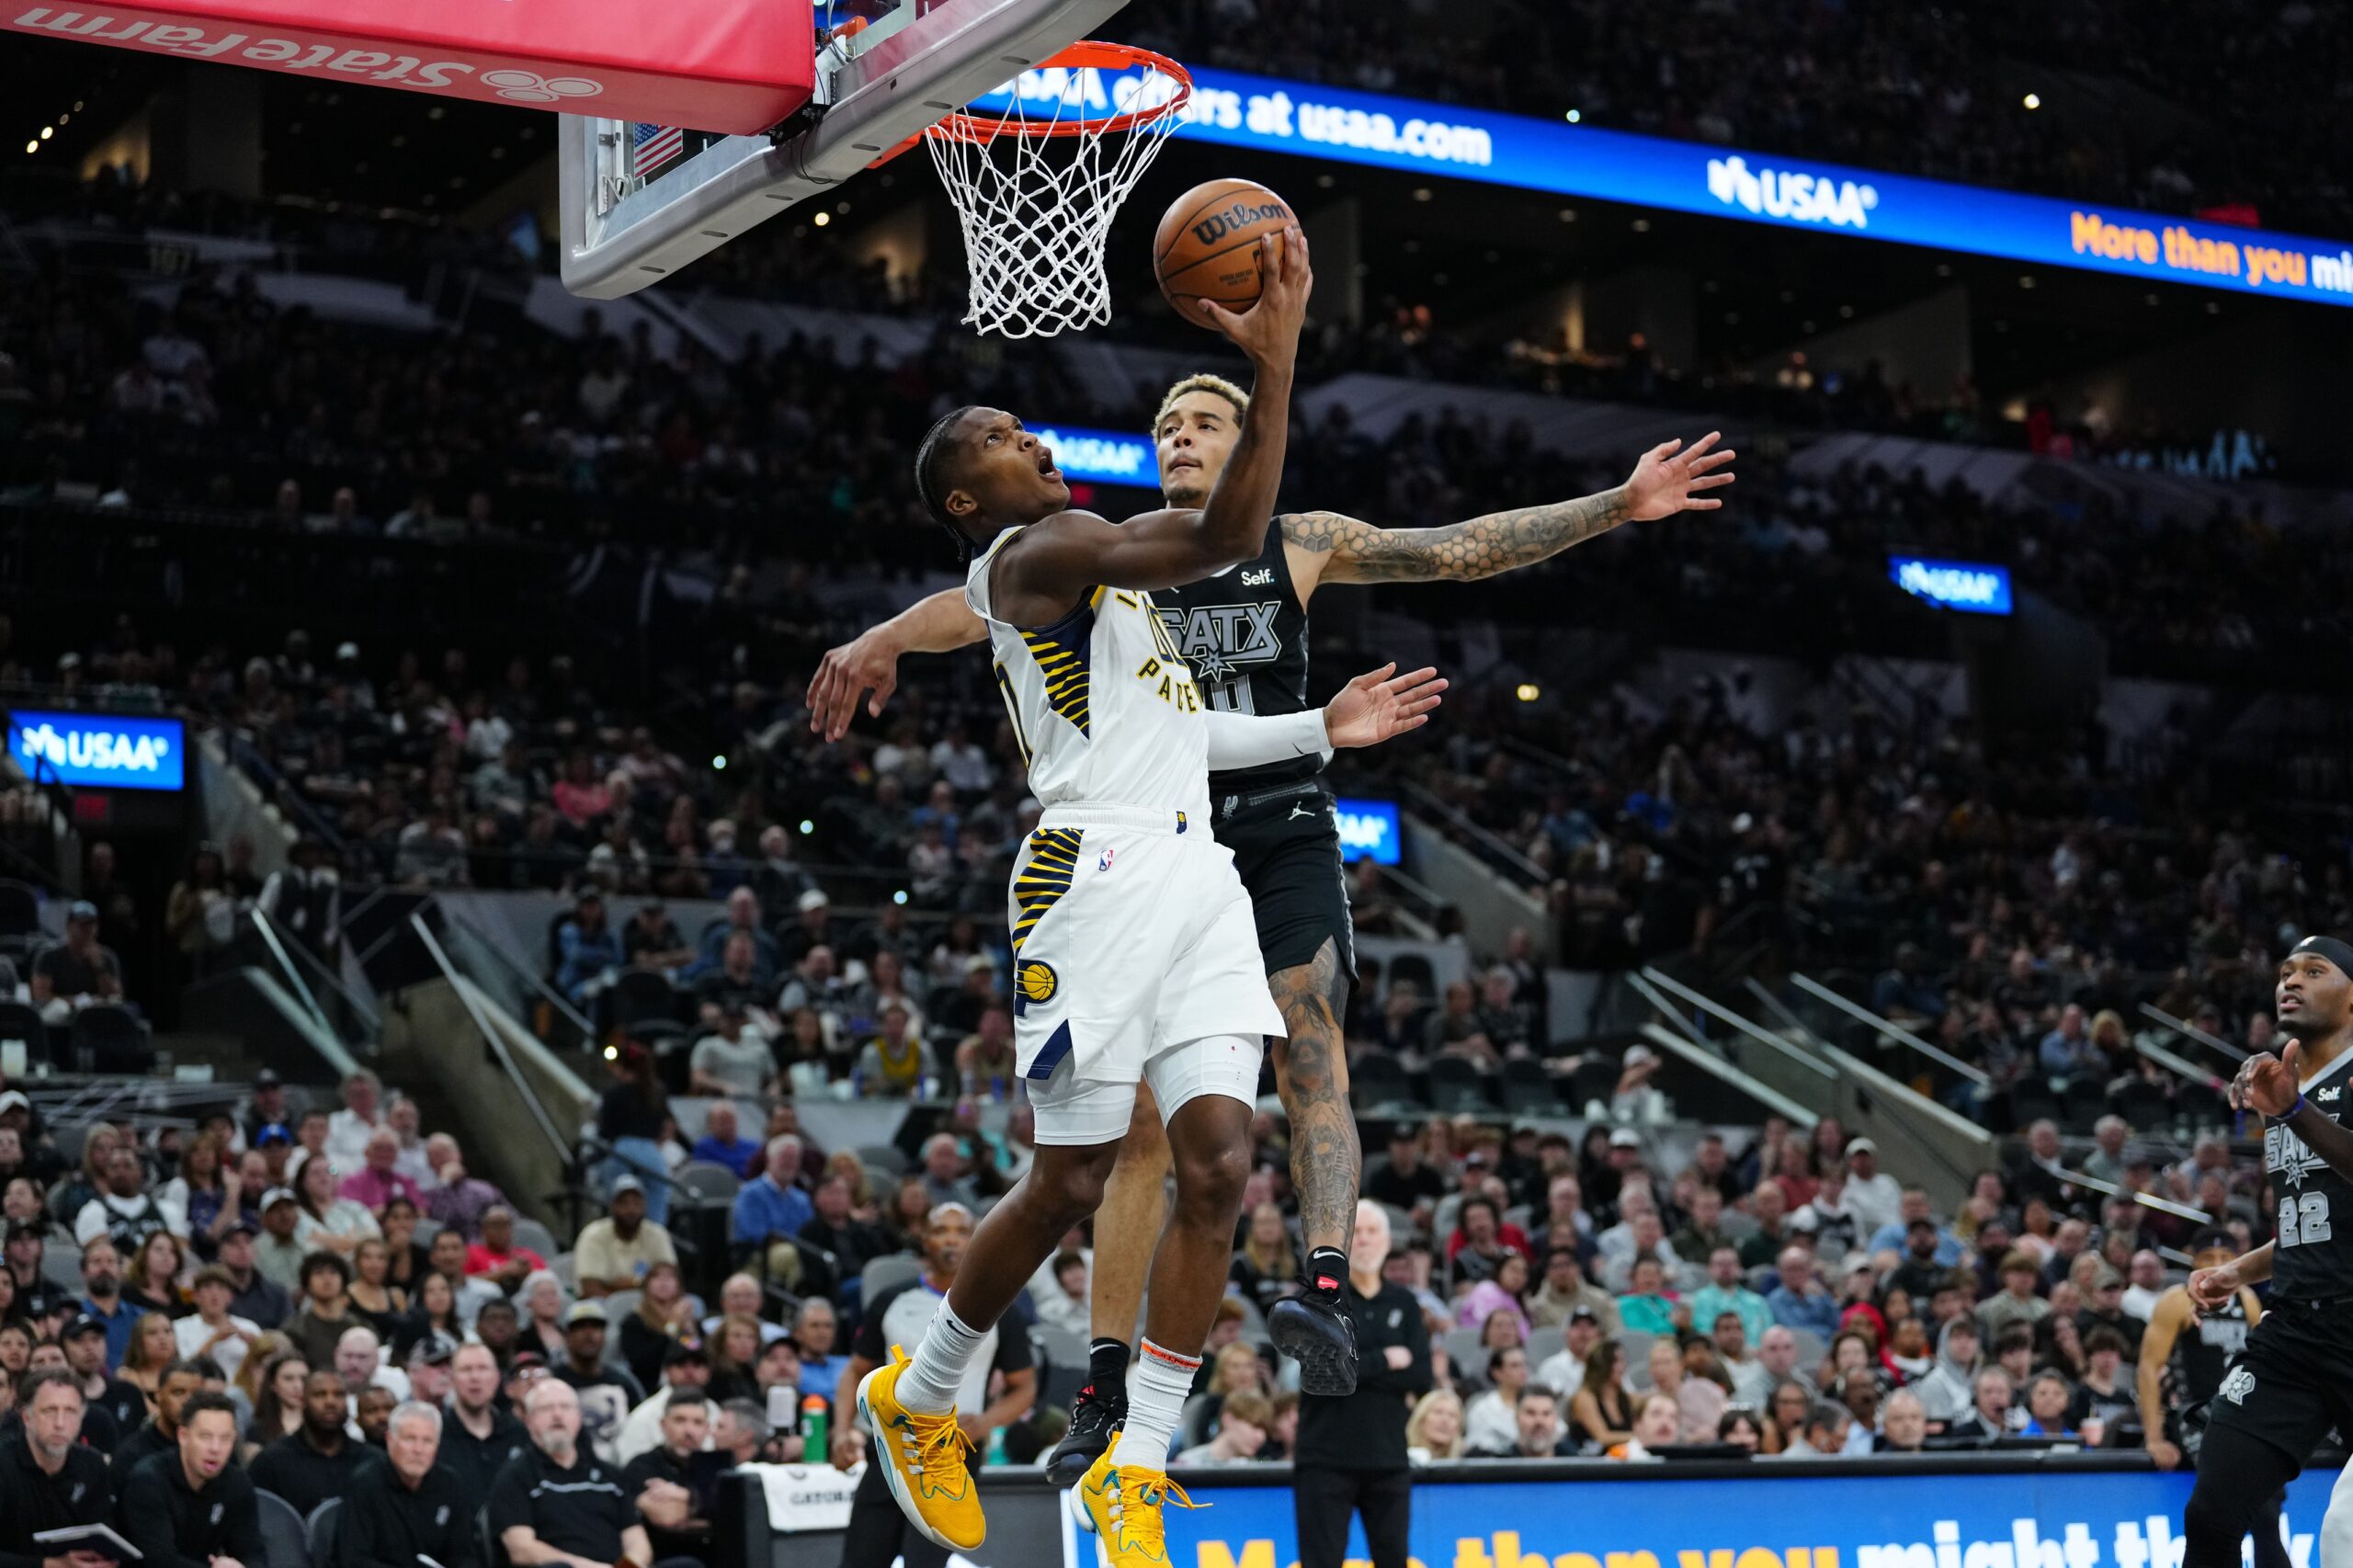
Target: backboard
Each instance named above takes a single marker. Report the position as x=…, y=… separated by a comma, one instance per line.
x=885, y=70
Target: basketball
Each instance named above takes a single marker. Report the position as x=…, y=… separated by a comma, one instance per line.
x=1207, y=246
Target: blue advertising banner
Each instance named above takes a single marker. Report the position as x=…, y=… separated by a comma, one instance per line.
x=107, y=750
x=1970, y=586
x=1368, y=830
x=1105, y=457
x=1462, y=143
x=2047, y=1520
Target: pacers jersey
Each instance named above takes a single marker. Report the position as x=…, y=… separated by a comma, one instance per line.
x=2315, y=1217
x=1104, y=708
x=1246, y=636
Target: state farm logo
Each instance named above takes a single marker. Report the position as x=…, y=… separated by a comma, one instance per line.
x=304, y=54
x=529, y=87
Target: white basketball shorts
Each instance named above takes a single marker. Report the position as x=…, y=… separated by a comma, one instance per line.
x=1132, y=936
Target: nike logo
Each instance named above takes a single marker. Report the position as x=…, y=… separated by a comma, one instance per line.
x=1299, y=811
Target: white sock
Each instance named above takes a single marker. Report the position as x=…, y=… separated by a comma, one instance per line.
x=936, y=1372
x=1157, y=1394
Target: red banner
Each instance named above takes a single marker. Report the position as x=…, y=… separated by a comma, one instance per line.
x=732, y=66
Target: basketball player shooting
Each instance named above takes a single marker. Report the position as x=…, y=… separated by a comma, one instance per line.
x=1135, y=949
x=2296, y=1379
x=1244, y=631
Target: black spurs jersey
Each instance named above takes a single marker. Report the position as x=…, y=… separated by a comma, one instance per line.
x=1246, y=636
x=2315, y=1215
x=2202, y=1353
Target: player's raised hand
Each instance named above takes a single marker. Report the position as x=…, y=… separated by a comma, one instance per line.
x=2211, y=1290
x=868, y=663
x=1268, y=331
x=1381, y=703
x=2267, y=1084
x=1671, y=478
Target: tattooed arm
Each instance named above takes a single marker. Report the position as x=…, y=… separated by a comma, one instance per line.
x=1325, y=546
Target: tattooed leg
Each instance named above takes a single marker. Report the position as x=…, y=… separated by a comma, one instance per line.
x=1312, y=1074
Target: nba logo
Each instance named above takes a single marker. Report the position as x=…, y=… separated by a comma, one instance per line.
x=1104, y=863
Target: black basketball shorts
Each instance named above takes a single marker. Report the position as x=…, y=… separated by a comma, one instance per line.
x=1286, y=848
x=2294, y=1380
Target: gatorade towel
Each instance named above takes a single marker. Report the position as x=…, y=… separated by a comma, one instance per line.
x=732, y=66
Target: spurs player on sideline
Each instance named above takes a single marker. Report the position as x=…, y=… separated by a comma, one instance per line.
x=2199, y=1348
x=1135, y=949
x=2296, y=1379
x=1244, y=632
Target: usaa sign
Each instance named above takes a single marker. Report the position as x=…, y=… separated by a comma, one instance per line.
x=106, y=750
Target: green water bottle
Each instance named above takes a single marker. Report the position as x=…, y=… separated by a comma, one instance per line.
x=814, y=1447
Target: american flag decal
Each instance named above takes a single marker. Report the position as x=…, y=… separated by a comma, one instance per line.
x=650, y=146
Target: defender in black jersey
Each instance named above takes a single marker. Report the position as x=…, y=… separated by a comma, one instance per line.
x=1244, y=633
x=2296, y=1379
x=2186, y=1354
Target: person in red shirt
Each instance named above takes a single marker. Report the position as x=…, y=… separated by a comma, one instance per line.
x=497, y=1257
x=1479, y=1231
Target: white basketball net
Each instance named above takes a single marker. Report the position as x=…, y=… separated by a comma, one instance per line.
x=1035, y=189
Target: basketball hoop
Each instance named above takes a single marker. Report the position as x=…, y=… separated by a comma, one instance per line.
x=1037, y=186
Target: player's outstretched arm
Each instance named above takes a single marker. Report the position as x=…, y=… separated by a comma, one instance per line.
x=1375, y=707
x=1040, y=575
x=1328, y=547
x=870, y=662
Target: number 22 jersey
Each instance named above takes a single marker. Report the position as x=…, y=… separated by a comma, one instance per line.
x=2313, y=1259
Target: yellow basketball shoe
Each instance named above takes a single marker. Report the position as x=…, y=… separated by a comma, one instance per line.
x=1123, y=1506
x=922, y=1457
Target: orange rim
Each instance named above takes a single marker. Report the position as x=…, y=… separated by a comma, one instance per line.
x=1086, y=54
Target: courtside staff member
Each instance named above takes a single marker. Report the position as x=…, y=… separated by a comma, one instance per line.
x=1351, y=1461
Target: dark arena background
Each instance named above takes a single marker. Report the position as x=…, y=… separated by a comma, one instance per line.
x=448, y=463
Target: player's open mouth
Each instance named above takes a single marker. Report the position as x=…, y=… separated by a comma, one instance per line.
x=1046, y=469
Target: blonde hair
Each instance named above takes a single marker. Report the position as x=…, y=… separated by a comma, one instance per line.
x=1204, y=382
x=1417, y=1427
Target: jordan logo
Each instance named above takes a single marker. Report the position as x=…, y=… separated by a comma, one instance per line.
x=1298, y=812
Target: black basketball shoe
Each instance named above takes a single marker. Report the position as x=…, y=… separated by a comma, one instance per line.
x=1094, y=1420
x=1316, y=1333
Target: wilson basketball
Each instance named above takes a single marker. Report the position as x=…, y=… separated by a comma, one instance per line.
x=1206, y=248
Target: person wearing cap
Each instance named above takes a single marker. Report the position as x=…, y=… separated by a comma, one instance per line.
x=812, y=927
x=1873, y=1198
x=411, y=1509
x=278, y=1253
x=651, y=940
x=111, y=1408
x=2104, y=1308
x=78, y=971
x=428, y=1369
x=731, y=1061
x=49, y=1479
x=1565, y=1289
x=613, y=1254
x=1564, y=1369
x=318, y=1458
x=213, y=1330
x=686, y=1368
x=194, y=1508
x=2016, y=1302
x=304, y=899
x=607, y=1393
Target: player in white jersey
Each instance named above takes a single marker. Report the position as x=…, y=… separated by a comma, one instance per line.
x=1136, y=952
